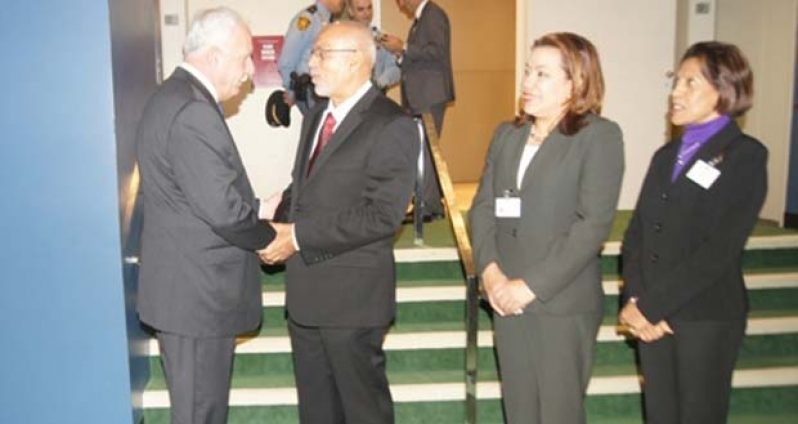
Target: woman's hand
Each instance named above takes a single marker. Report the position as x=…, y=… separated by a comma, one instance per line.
x=506, y=297
x=515, y=296
x=639, y=326
x=493, y=282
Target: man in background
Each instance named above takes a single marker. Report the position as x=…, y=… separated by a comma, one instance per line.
x=299, y=38
x=386, y=72
x=199, y=283
x=352, y=179
x=427, y=82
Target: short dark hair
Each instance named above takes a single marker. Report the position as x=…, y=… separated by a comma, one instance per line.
x=580, y=61
x=727, y=69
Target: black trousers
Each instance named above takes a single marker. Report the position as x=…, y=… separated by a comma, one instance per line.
x=340, y=375
x=432, y=190
x=687, y=376
x=198, y=375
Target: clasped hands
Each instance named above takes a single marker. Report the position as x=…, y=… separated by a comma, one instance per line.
x=282, y=247
x=639, y=327
x=506, y=296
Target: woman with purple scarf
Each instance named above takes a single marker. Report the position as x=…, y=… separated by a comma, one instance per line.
x=684, y=298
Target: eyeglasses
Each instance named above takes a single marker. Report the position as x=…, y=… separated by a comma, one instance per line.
x=323, y=54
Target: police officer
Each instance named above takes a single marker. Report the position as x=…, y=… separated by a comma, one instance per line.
x=293, y=62
x=386, y=71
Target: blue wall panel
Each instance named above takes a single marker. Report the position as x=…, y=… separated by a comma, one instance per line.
x=64, y=335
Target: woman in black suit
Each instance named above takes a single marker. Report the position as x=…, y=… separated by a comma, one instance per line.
x=685, y=299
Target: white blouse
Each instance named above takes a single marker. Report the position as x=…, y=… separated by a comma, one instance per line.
x=526, y=157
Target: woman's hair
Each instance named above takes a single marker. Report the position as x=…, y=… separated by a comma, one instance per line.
x=727, y=69
x=580, y=61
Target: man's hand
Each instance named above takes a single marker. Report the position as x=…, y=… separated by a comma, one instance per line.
x=282, y=247
x=393, y=44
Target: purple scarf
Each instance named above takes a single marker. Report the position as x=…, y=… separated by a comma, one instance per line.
x=695, y=136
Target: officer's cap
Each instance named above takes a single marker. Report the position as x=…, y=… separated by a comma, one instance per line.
x=277, y=111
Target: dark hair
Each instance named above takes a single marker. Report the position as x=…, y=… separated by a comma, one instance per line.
x=580, y=61
x=727, y=69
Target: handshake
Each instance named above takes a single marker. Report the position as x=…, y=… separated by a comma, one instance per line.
x=282, y=247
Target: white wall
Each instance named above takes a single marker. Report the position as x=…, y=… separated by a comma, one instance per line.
x=635, y=40
x=765, y=30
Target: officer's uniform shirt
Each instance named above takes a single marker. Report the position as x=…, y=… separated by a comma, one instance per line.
x=298, y=42
x=386, y=70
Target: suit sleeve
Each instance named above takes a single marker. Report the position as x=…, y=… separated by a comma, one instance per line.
x=481, y=217
x=391, y=174
x=435, y=42
x=600, y=185
x=721, y=244
x=200, y=150
x=631, y=249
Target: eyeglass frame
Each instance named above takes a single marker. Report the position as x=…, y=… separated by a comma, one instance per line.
x=321, y=53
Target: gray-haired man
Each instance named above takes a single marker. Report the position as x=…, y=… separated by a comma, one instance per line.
x=199, y=281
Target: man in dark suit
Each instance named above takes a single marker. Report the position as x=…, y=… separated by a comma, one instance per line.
x=199, y=282
x=352, y=178
x=427, y=82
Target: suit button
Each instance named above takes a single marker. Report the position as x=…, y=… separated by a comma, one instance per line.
x=664, y=197
x=515, y=232
x=658, y=227
x=654, y=257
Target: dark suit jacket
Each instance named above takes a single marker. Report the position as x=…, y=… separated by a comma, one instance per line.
x=568, y=198
x=347, y=212
x=199, y=274
x=682, y=251
x=427, y=62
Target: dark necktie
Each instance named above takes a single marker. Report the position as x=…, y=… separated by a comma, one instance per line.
x=413, y=27
x=324, y=137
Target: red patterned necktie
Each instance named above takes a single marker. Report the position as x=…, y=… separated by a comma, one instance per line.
x=324, y=137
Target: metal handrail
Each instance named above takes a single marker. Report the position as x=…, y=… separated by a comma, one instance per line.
x=467, y=261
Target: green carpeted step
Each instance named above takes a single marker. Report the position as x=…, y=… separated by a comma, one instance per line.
x=450, y=272
x=449, y=315
x=446, y=365
x=748, y=406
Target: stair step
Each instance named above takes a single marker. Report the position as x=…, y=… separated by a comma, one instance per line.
x=431, y=291
x=748, y=406
x=456, y=339
x=261, y=396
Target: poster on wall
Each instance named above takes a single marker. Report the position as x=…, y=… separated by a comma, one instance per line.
x=265, y=51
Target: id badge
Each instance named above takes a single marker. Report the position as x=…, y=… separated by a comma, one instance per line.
x=508, y=206
x=703, y=174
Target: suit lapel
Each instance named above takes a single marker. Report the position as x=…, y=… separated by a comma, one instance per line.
x=711, y=150
x=349, y=124
x=515, y=151
x=548, y=158
x=306, y=138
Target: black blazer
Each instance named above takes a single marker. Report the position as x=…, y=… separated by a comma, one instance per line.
x=427, y=62
x=199, y=273
x=346, y=213
x=682, y=250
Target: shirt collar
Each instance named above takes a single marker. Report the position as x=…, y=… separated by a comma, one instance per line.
x=339, y=112
x=420, y=8
x=202, y=79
